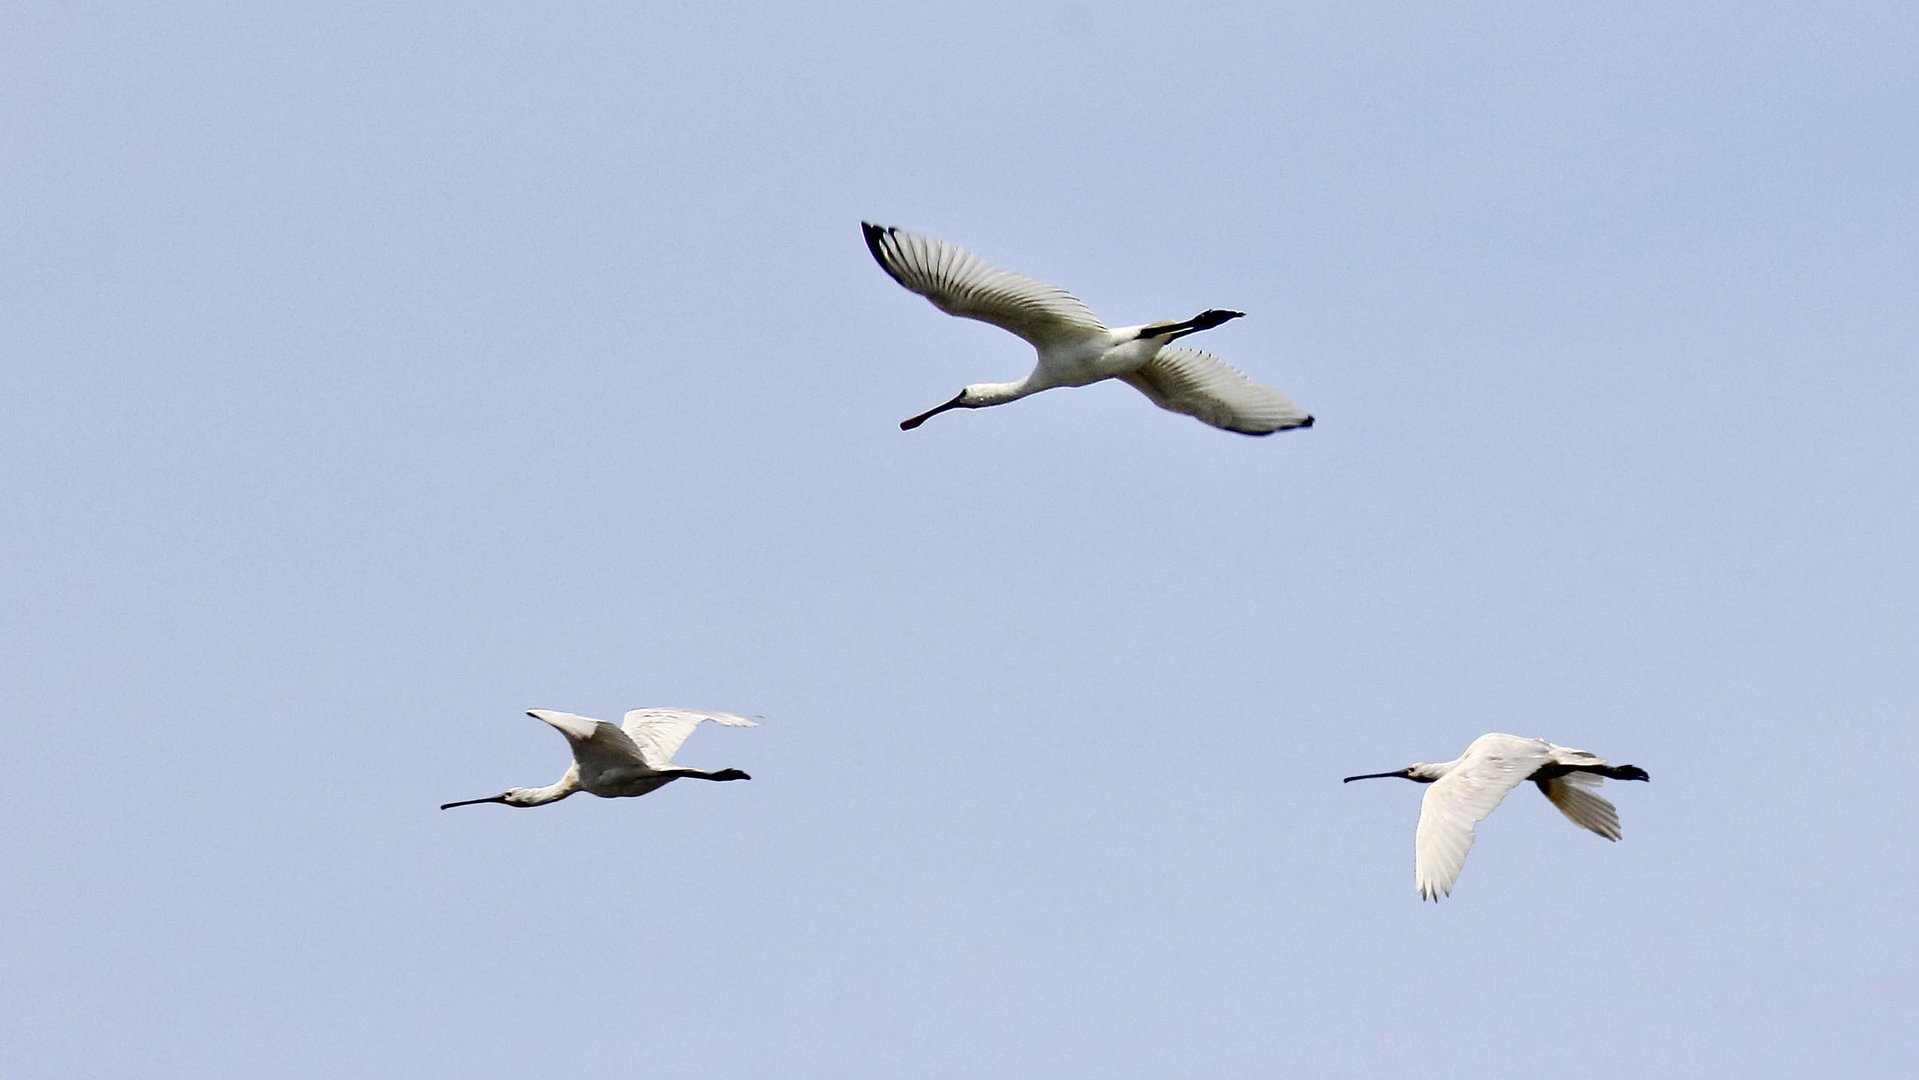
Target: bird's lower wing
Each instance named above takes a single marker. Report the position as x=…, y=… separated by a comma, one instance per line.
x=1577, y=796
x=1439, y=847
x=1202, y=385
x=1453, y=805
x=659, y=732
x=961, y=283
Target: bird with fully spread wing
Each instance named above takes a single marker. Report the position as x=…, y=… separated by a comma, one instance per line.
x=619, y=762
x=1074, y=347
x=1467, y=788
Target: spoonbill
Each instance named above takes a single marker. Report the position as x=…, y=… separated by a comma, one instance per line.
x=619, y=762
x=1465, y=789
x=1074, y=347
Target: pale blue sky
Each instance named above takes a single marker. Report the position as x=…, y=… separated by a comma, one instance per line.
x=375, y=375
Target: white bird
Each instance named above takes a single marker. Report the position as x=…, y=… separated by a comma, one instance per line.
x=1074, y=347
x=619, y=762
x=1467, y=788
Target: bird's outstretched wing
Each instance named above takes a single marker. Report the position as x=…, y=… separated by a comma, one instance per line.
x=597, y=745
x=659, y=732
x=961, y=283
x=1455, y=803
x=1202, y=385
x=1577, y=796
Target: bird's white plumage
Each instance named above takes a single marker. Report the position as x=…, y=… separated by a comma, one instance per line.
x=658, y=732
x=1075, y=348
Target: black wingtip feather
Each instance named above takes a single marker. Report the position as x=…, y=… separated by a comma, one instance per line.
x=1261, y=433
x=874, y=235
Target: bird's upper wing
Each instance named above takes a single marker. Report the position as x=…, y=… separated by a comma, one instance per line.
x=1577, y=796
x=1199, y=384
x=659, y=732
x=597, y=745
x=959, y=282
x=1459, y=800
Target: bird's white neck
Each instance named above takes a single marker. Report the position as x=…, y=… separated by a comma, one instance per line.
x=554, y=792
x=979, y=395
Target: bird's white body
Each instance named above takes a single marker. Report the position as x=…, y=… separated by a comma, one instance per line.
x=620, y=762
x=1464, y=790
x=1074, y=347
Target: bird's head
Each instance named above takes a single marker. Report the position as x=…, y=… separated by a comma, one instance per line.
x=980, y=395
x=731, y=774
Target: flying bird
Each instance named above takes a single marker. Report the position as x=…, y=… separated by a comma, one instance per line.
x=1467, y=788
x=1074, y=347
x=619, y=762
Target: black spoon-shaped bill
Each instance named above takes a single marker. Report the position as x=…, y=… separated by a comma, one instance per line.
x=1399, y=773
x=473, y=802
x=910, y=424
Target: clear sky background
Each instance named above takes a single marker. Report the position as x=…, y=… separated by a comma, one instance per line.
x=373, y=373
